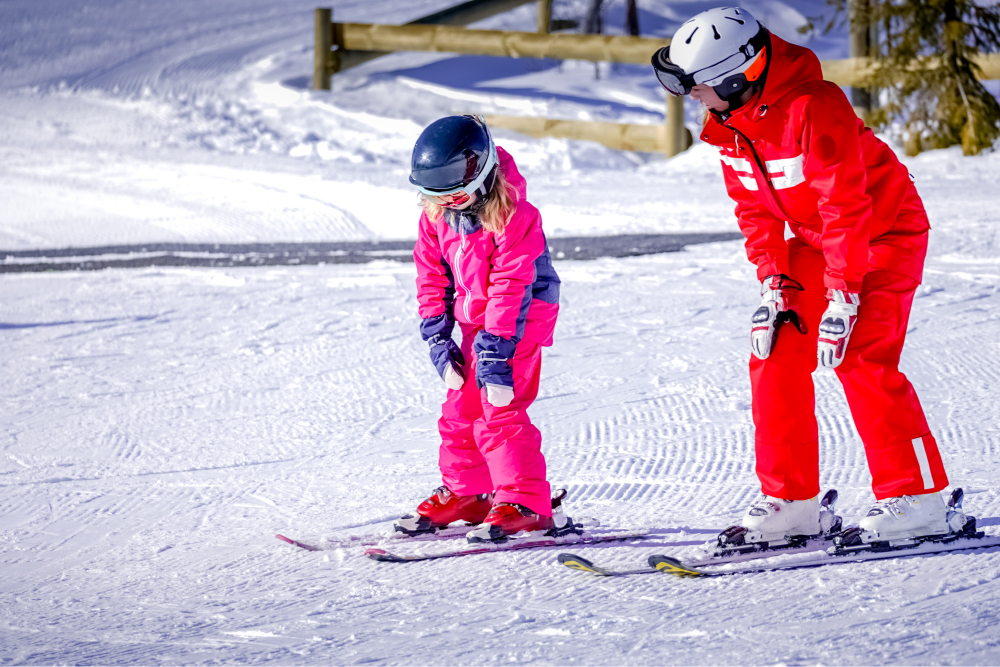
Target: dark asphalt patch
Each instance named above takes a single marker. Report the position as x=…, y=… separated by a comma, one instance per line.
x=297, y=254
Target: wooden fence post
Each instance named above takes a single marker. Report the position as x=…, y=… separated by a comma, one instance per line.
x=859, y=46
x=324, y=43
x=676, y=139
x=544, y=16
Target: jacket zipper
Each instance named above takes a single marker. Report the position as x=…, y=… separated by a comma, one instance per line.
x=458, y=273
x=763, y=170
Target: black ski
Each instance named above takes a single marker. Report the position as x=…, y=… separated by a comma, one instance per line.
x=677, y=567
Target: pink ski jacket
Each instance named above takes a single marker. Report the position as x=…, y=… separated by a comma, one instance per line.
x=504, y=283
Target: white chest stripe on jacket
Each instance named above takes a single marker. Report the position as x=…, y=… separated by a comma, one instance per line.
x=743, y=170
x=785, y=172
x=790, y=170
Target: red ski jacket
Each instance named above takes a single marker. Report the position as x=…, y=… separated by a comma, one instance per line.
x=797, y=152
x=504, y=283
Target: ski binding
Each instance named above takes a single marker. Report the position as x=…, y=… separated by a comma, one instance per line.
x=856, y=540
x=739, y=541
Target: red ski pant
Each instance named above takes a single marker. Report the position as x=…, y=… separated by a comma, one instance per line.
x=486, y=449
x=902, y=454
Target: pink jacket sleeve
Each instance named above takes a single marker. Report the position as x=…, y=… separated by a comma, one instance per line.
x=433, y=277
x=512, y=271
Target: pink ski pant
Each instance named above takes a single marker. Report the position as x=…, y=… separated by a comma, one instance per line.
x=902, y=454
x=486, y=449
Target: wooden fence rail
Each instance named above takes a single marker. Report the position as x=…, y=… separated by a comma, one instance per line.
x=504, y=43
x=470, y=11
x=673, y=138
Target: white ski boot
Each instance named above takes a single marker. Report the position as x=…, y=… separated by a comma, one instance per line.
x=904, y=522
x=774, y=523
x=904, y=517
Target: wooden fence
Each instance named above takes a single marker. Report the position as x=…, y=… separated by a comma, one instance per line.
x=329, y=62
x=335, y=39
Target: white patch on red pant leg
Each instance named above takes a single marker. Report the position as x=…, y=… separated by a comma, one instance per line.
x=925, y=465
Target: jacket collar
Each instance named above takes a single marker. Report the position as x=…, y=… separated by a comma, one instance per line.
x=790, y=67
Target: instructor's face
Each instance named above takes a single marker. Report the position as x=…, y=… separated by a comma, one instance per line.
x=707, y=96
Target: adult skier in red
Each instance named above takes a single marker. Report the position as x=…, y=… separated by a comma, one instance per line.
x=794, y=151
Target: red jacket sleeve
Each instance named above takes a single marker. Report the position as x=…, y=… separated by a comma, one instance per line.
x=834, y=168
x=434, y=282
x=764, y=232
x=512, y=271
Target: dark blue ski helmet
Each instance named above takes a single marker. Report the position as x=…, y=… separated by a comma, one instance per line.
x=451, y=153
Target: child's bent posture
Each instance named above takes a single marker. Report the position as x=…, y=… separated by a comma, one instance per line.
x=483, y=263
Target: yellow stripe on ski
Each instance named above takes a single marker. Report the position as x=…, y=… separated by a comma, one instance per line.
x=577, y=563
x=668, y=565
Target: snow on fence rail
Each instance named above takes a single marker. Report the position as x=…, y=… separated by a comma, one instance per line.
x=337, y=42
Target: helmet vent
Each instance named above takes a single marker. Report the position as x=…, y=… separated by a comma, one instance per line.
x=740, y=21
x=717, y=35
x=688, y=40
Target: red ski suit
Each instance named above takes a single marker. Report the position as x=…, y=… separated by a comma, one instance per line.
x=798, y=153
x=503, y=283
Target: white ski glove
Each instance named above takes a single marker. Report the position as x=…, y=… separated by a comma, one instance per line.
x=453, y=377
x=498, y=395
x=772, y=313
x=836, y=326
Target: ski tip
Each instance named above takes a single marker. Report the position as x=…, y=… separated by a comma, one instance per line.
x=669, y=565
x=295, y=543
x=383, y=556
x=578, y=563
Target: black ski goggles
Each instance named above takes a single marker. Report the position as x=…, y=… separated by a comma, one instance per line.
x=673, y=78
x=678, y=82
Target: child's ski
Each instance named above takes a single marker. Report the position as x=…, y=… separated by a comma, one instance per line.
x=295, y=543
x=459, y=530
x=515, y=544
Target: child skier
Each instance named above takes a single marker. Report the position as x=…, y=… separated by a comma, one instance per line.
x=483, y=263
x=793, y=150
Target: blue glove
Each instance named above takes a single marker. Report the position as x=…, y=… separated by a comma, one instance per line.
x=493, y=367
x=445, y=354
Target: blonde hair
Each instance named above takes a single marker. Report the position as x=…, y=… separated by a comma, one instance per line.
x=494, y=216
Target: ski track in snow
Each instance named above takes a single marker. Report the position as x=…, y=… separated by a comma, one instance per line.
x=159, y=426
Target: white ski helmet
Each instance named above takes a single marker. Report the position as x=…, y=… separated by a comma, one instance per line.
x=725, y=48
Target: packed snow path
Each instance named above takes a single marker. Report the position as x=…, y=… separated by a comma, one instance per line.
x=162, y=425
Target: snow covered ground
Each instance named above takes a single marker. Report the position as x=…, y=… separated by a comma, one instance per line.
x=159, y=426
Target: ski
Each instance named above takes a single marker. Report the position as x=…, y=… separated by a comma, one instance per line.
x=804, y=546
x=679, y=568
x=516, y=544
x=575, y=562
x=447, y=533
x=326, y=543
x=296, y=543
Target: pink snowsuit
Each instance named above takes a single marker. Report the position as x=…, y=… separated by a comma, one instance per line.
x=503, y=283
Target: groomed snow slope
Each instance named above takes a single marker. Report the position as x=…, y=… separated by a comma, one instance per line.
x=159, y=426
